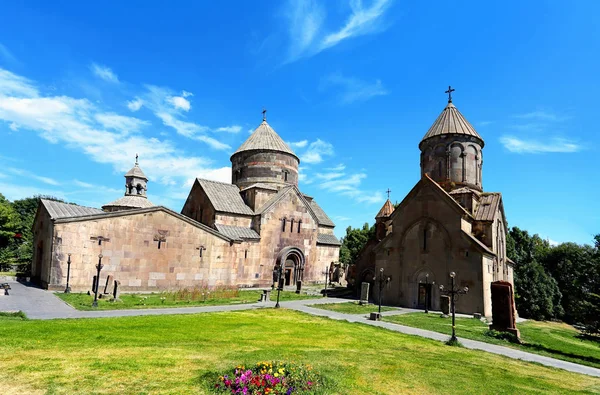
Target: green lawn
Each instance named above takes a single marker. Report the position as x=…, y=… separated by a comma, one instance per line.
x=83, y=301
x=171, y=355
x=352, y=308
x=552, y=339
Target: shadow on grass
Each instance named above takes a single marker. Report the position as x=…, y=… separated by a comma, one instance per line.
x=18, y=315
x=586, y=336
x=540, y=347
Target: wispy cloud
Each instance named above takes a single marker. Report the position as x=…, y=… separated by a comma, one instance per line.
x=135, y=105
x=229, y=129
x=104, y=73
x=33, y=176
x=316, y=152
x=308, y=36
x=350, y=90
x=298, y=144
x=6, y=55
x=180, y=102
x=542, y=116
x=104, y=136
x=531, y=146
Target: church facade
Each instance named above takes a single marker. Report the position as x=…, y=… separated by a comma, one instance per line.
x=447, y=223
x=234, y=234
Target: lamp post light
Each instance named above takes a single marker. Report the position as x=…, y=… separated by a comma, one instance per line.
x=99, y=267
x=279, y=271
x=326, y=273
x=68, y=289
x=454, y=293
x=382, y=282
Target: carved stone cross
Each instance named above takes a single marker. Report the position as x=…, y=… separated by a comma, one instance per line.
x=161, y=237
x=100, y=239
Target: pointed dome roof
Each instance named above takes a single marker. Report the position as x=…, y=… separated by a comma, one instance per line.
x=129, y=202
x=386, y=210
x=451, y=121
x=136, y=171
x=265, y=138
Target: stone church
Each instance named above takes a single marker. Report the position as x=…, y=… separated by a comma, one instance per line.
x=226, y=234
x=446, y=223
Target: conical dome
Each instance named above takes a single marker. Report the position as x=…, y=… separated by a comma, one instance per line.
x=451, y=121
x=265, y=138
x=386, y=210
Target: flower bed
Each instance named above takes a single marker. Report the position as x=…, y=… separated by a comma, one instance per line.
x=271, y=378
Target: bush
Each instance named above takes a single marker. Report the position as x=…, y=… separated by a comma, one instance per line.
x=273, y=378
x=511, y=337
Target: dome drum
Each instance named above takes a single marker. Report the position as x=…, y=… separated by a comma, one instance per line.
x=261, y=166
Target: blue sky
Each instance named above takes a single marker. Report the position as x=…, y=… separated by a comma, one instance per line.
x=352, y=85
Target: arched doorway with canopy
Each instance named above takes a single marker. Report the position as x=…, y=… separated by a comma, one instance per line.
x=291, y=260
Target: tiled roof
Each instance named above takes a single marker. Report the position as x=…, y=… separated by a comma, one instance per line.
x=451, y=121
x=323, y=238
x=321, y=216
x=464, y=190
x=64, y=210
x=131, y=202
x=386, y=210
x=225, y=197
x=265, y=138
x=488, y=206
x=136, y=172
x=237, y=232
x=262, y=186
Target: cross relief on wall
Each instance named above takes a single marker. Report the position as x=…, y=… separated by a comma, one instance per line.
x=161, y=237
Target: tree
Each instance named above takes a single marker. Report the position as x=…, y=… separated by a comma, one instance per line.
x=354, y=242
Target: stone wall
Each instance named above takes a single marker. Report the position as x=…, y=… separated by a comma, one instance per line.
x=198, y=206
x=250, y=167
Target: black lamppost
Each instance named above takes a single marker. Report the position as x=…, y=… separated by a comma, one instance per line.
x=279, y=271
x=326, y=273
x=453, y=292
x=68, y=289
x=99, y=267
x=382, y=281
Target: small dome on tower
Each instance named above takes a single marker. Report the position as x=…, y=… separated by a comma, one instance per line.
x=135, y=191
x=451, y=122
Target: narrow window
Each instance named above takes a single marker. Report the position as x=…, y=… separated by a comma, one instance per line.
x=439, y=169
x=285, y=175
x=283, y=225
x=299, y=223
x=246, y=254
x=424, y=239
x=292, y=226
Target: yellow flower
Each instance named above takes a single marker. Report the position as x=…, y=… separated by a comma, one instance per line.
x=281, y=371
x=276, y=375
x=270, y=370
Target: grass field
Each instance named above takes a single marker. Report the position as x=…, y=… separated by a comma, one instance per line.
x=352, y=308
x=172, y=354
x=83, y=301
x=552, y=339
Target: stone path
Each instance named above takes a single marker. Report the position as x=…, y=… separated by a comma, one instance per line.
x=40, y=304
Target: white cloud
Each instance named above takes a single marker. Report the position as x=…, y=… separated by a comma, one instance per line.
x=306, y=19
x=77, y=124
x=186, y=93
x=229, y=129
x=214, y=143
x=541, y=115
x=339, y=167
x=120, y=123
x=83, y=184
x=6, y=54
x=341, y=218
x=531, y=146
x=27, y=174
x=135, y=105
x=298, y=144
x=104, y=73
x=13, y=126
x=316, y=151
x=352, y=90
x=179, y=102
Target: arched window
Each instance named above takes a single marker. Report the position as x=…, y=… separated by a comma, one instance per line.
x=292, y=226
x=139, y=188
x=299, y=223
x=283, y=225
x=440, y=169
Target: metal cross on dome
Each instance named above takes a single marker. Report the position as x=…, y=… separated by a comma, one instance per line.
x=264, y=112
x=388, y=193
x=449, y=92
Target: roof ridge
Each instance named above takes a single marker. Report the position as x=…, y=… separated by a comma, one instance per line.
x=216, y=182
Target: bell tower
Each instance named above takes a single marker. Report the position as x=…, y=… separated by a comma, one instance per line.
x=136, y=181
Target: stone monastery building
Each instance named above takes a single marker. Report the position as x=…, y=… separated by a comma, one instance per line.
x=445, y=224
x=226, y=234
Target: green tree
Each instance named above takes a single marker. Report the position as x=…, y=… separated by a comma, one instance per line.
x=354, y=242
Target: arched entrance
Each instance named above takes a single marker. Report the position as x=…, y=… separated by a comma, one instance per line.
x=291, y=259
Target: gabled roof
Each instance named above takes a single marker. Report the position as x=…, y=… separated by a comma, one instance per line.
x=321, y=216
x=323, y=238
x=130, y=202
x=64, y=210
x=480, y=246
x=136, y=171
x=265, y=138
x=488, y=206
x=451, y=121
x=386, y=210
x=313, y=208
x=225, y=197
x=238, y=232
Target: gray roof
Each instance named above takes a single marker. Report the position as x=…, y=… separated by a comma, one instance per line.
x=323, y=238
x=451, y=121
x=136, y=172
x=237, y=232
x=225, y=197
x=261, y=186
x=130, y=202
x=64, y=210
x=488, y=206
x=265, y=138
x=321, y=216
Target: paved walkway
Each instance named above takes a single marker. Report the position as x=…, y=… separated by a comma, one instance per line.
x=40, y=304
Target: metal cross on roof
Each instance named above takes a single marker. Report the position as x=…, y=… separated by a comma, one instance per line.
x=388, y=193
x=449, y=92
x=136, y=159
x=264, y=112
